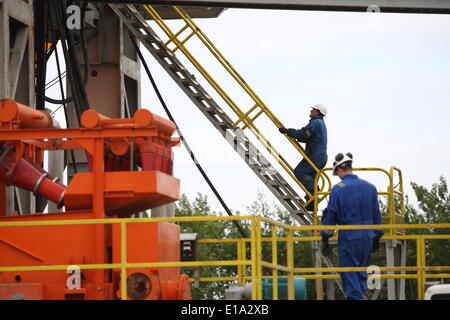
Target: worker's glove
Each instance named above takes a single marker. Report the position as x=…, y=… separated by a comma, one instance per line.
x=283, y=130
x=325, y=247
x=376, y=244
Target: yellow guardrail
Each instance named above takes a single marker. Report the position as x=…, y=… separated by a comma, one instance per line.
x=243, y=117
x=391, y=192
x=256, y=262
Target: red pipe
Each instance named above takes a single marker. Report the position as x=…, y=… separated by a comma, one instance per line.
x=26, y=176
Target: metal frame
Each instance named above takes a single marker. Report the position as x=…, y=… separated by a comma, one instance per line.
x=420, y=272
x=391, y=6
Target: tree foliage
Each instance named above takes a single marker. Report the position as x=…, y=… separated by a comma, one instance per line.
x=206, y=230
x=433, y=206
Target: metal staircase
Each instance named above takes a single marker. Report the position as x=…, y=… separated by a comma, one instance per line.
x=221, y=121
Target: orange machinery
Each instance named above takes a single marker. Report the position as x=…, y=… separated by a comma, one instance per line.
x=110, y=189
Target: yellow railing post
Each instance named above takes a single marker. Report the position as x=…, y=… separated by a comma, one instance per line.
x=274, y=261
x=254, y=271
x=259, y=256
x=391, y=201
x=316, y=205
x=290, y=264
x=402, y=201
x=420, y=268
x=241, y=256
x=123, y=268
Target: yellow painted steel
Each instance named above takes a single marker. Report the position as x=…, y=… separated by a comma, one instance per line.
x=129, y=265
x=275, y=266
x=120, y=220
x=420, y=272
x=391, y=191
x=275, y=262
x=123, y=251
x=240, y=256
x=290, y=265
x=244, y=257
x=437, y=275
x=258, y=261
x=420, y=267
x=255, y=279
x=242, y=116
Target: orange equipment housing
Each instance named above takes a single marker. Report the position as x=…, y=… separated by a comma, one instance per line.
x=109, y=189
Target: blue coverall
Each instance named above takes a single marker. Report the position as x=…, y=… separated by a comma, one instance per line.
x=314, y=134
x=353, y=202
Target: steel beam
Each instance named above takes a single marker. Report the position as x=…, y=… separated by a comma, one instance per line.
x=392, y=6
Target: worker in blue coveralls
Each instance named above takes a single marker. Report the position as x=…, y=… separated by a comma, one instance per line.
x=353, y=201
x=314, y=134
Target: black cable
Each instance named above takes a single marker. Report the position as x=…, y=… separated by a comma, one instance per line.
x=85, y=57
x=57, y=10
x=72, y=66
x=53, y=82
x=72, y=153
x=55, y=40
x=50, y=51
x=199, y=167
x=76, y=66
x=54, y=111
x=84, y=44
x=41, y=63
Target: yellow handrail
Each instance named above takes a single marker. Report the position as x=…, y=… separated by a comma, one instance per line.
x=242, y=116
x=390, y=192
x=257, y=262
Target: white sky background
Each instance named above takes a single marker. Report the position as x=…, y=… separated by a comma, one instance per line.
x=385, y=79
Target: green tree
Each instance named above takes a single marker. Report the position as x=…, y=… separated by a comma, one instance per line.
x=225, y=229
x=207, y=230
x=433, y=207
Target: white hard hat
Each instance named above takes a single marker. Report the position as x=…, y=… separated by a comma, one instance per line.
x=321, y=108
x=341, y=159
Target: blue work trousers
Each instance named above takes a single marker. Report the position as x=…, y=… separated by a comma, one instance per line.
x=354, y=253
x=306, y=174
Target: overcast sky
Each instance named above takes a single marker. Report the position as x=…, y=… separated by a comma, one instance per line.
x=385, y=79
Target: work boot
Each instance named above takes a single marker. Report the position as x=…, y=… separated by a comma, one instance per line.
x=310, y=206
